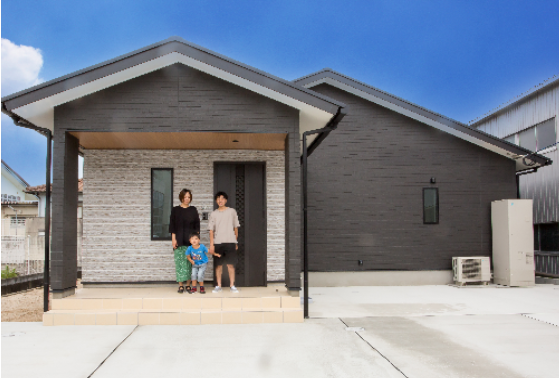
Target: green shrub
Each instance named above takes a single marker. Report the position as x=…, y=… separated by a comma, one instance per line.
x=9, y=273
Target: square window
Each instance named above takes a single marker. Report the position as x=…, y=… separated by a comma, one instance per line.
x=431, y=205
x=17, y=222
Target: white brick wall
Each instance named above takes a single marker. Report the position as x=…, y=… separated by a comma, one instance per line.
x=116, y=210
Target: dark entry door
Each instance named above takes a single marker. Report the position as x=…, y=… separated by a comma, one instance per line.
x=244, y=184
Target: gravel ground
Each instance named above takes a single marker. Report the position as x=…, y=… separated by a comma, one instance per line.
x=24, y=306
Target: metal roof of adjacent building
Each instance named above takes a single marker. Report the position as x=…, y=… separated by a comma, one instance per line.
x=536, y=90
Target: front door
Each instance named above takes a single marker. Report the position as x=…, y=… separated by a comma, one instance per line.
x=245, y=184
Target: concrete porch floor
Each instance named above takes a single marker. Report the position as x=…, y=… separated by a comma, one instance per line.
x=170, y=291
x=163, y=305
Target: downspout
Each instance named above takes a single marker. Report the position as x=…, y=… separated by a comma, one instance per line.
x=324, y=132
x=521, y=173
x=18, y=121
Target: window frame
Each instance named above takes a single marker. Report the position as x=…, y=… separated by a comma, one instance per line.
x=424, y=205
x=17, y=222
x=552, y=121
x=169, y=238
x=535, y=129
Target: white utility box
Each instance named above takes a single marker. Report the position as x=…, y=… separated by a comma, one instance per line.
x=512, y=242
x=471, y=269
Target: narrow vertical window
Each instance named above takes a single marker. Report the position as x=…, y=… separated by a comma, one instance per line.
x=431, y=205
x=162, y=202
x=546, y=134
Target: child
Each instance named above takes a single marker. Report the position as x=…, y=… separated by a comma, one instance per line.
x=196, y=254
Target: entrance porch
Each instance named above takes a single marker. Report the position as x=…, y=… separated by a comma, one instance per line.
x=162, y=305
x=132, y=180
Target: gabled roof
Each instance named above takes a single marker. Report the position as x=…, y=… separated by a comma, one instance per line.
x=15, y=174
x=426, y=116
x=36, y=104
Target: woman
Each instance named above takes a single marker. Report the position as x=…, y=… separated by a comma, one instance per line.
x=184, y=221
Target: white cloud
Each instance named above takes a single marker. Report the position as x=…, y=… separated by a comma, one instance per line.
x=20, y=67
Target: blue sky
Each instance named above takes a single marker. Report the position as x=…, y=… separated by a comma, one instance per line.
x=458, y=58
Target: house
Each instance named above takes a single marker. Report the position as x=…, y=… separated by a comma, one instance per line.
x=395, y=188
x=17, y=206
x=13, y=186
x=531, y=121
x=40, y=192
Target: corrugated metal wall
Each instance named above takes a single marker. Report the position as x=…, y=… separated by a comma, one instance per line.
x=542, y=186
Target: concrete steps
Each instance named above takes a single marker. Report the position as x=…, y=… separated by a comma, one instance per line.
x=191, y=310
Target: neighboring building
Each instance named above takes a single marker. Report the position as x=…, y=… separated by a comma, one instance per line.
x=13, y=186
x=19, y=210
x=41, y=192
x=17, y=206
x=396, y=186
x=531, y=121
x=15, y=215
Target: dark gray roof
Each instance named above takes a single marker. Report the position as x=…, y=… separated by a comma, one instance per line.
x=173, y=44
x=319, y=76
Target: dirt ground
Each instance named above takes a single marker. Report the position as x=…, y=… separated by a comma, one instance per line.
x=24, y=306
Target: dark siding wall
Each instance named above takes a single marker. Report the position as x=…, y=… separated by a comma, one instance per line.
x=293, y=213
x=64, y=252
x=175, y=98
x=365, y=193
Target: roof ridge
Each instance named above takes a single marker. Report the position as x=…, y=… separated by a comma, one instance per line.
x=161, y=43
x=385, y=93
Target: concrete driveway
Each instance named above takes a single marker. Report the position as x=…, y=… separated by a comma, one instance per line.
x=422, y=331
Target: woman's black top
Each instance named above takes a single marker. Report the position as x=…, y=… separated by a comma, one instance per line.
x=183, y=222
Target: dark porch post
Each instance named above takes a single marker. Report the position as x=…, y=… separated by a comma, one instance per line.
x=65, y=209
x=46, y=277
x=293, y=213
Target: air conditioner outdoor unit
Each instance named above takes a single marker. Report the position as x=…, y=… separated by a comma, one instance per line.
x=471, y=269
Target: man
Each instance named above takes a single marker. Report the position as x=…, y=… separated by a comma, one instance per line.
x=223, y=226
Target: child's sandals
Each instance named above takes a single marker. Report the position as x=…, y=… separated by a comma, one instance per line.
x=202, y=291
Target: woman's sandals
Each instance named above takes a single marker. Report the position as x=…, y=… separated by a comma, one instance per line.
x=181, y=289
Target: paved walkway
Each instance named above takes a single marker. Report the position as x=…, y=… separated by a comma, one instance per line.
x=423, y=331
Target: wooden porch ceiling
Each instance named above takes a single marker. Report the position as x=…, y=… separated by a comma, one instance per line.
x=177, y=140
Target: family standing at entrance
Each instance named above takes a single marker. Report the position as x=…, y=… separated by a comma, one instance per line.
x=190, y=256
